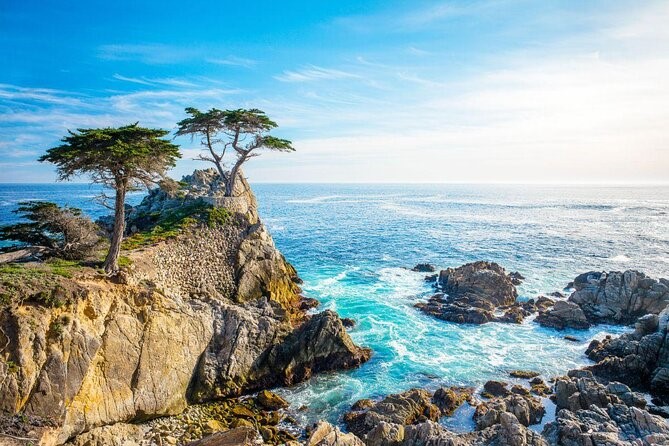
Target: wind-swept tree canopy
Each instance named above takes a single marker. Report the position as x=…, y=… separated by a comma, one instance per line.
x=122, y=158
x=244, y=131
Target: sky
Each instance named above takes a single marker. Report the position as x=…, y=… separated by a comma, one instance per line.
x=511, y=91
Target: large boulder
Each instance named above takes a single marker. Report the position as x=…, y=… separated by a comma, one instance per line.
x=639, y=359
x=619, y=297
x=325, y=434
x=563, y=315
x=474, y=294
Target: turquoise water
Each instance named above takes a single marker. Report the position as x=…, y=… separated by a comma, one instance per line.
x=352, y=243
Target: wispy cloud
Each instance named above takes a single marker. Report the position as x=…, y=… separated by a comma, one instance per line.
x=149, y=53
x=233, y=61
x=314, y=73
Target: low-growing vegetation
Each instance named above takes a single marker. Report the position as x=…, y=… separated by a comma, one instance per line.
x=170, y=223
x=44, y=283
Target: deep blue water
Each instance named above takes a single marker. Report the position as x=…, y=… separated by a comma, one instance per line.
x=352, y=243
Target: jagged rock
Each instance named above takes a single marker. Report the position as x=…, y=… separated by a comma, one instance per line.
x=410, y=407
x=590, y=414
x=563, y=315
x=526, y=374
x=472, y=293
x=447, y=399
x=424, y=268
x=348, y=322
x=270, y=400
x=527, y=409
x=639, y=359
x=325, y=434
x=496, y=388
x=619, y=297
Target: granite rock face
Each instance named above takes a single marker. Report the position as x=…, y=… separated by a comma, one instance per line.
x=212, y=312
x=589, y=413
x=475, y=293
x=639, y=359
x=611, y=298
x=619, y=297
x=410, y=419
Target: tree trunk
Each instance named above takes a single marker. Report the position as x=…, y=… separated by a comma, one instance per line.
x=232, y=179
x=111, y=262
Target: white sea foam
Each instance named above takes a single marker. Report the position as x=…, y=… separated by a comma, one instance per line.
x=620, y=258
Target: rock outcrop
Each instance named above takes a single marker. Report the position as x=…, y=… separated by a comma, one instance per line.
x=611, y=298
x=589, y=413
x=210, y=312
x=410, y=419
x=639, y=359
x=475, y=293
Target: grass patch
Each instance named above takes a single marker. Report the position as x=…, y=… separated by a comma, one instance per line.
x=172, y=222
x=44, y=284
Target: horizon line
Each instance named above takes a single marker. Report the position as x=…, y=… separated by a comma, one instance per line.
x=492, y=183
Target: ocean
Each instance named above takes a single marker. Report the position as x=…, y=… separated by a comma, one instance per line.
x=353, y=246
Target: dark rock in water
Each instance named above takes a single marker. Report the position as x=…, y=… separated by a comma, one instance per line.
x=320, y=344
x=348, y=322
x=563, y=315
x=448, y=399
x=541, y=303
x=527, y=374
x=557, y=295
x=473, y=293
x=408, y=419
x=571, y=338
x=638, y=359
x=484, y=282
x=431, y=278
x=619, y=297
x=516, y=278
x=424, y=268
x=496, y=388
x=308, y=303
x=589, y=413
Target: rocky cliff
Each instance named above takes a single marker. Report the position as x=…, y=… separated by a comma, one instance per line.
x=206, y=309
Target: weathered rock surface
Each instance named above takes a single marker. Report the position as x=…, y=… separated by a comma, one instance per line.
x=325, y=434
x=563, y=314
x=475, y=293
x=590, y=414
x=639, y=359
x=619, y=297
x=212, y=312
x=409, y=419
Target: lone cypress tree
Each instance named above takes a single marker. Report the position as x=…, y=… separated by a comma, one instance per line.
x=244, y=131
x=123, y=159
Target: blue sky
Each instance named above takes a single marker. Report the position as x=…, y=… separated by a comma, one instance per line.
x=369, y=91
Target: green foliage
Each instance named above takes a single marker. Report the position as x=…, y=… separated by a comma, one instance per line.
x=242, y=130
x=40, y=283
x=132, y=154
x=12, y=367
x=64, y=231
x=171, y=223
x=124, y=261
x=122, y=158
x=218, y=216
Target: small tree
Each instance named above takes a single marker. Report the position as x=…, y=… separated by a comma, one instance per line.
x=245, y=131
x=123, y=159
x=63, y=231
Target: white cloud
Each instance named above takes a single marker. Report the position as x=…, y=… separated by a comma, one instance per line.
x=233, y=61
x=314, y=73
